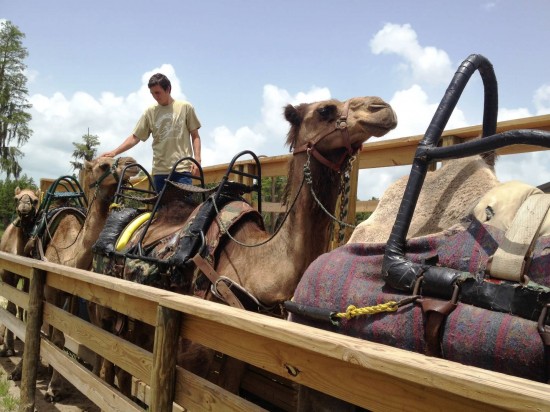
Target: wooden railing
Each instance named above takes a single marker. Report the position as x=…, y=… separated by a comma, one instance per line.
x=374, y=154
x=373, y=376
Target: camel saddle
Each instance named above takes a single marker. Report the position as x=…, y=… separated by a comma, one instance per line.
x=482, y=299
x=167, y=262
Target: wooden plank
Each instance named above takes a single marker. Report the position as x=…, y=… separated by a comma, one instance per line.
x=14, y=295
x=133, y=359
x=196, y=394
x=80, y=350
x=17, y=326
x=104, y=396
x=366, y=206
x=31, y=358
x=164, y=359
x=142, y=391
x=102, y=294
x=17, y=266
x=341, y=365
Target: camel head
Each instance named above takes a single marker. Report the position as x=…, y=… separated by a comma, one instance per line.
x=105, y=172
x=332, y=129
x=26, y=202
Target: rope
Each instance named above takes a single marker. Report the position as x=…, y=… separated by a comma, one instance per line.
x=391, y=306
x=352, y=311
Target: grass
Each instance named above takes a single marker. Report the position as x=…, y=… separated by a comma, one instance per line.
x=8, y=402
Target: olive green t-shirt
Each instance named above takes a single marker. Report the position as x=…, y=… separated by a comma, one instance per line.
x=170, y=126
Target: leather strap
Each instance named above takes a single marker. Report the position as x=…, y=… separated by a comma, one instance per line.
x=224, y=290
x=436, y=312
x=509, y=261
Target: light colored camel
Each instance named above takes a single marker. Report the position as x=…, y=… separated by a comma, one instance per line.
x=322, y=136
x=448, y=195
x=71, y=243
x=13, y=241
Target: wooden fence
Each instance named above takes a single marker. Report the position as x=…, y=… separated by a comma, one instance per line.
x=373, y=376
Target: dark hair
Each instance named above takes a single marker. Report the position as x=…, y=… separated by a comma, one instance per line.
x=161, y=80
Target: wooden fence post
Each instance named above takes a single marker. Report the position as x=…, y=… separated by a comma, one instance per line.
x=163, y=375
x=31, y=354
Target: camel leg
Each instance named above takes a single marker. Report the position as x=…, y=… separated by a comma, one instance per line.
x=56, y=385
x=57, y=381
x=8, y=347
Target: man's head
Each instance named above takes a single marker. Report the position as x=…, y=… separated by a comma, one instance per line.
x=160, y=88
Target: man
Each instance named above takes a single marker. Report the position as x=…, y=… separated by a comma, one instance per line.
x=175, y=129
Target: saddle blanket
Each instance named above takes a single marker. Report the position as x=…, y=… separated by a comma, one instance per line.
x=351, y=275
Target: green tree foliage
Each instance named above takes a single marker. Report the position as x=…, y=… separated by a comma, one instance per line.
x=85, y=150
x=14, y=116
x=7, y=192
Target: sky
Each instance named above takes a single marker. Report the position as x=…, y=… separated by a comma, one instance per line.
x=240, y=62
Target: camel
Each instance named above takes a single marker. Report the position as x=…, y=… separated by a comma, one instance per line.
x=13, y=241
x=448, y=195
x=71, y=243
x=322, y=136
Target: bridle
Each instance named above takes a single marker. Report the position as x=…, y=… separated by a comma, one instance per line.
x=340, y=124
x=111, y=171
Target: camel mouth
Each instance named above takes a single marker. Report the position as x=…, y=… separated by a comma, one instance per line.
x=378, y=129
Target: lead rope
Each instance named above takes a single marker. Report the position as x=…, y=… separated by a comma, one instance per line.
x=309, y=181
x=345, y=187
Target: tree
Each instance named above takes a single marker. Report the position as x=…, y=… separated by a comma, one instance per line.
x=14, y=116
x=85, y=150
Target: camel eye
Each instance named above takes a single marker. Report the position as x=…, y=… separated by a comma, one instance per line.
x=326, y=112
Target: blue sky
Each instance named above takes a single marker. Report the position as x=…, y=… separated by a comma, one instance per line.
x=239, y=62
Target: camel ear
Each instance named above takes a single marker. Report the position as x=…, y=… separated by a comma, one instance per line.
x=17, y=190
x=38, y=193
x=292, y=115
x=87, y=164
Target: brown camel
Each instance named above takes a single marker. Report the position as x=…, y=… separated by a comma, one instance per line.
x=322, y=136
x=71, y=242
x=448, y=195
x=13, y=241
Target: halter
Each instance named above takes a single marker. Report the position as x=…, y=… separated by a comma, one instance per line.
x=342, y=125
x=110, y=171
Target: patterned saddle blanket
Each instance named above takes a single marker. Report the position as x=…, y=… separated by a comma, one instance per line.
x=472, y=335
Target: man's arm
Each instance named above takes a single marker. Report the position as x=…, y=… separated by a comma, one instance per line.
x=196, y=142
x=127, y=144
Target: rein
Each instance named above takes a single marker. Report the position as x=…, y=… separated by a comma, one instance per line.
x=341, y=124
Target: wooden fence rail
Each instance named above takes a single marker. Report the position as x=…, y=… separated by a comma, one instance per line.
x=374, y=376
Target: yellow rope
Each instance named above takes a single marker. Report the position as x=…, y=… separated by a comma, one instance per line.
x=352, y=311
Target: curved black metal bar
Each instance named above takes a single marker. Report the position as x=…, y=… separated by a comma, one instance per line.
x=232, y=170
x=395, y=264
x=124, y=185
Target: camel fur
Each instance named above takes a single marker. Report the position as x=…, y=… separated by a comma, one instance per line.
x=13, y=241
x=272, y=267
x=72, y=242
x=448, y=195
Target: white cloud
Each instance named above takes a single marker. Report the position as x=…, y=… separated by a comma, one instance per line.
x=266, y=137
x=425, y=64
x=542, y=99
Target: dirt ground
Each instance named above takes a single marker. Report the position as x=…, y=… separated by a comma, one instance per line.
x=73, y=402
